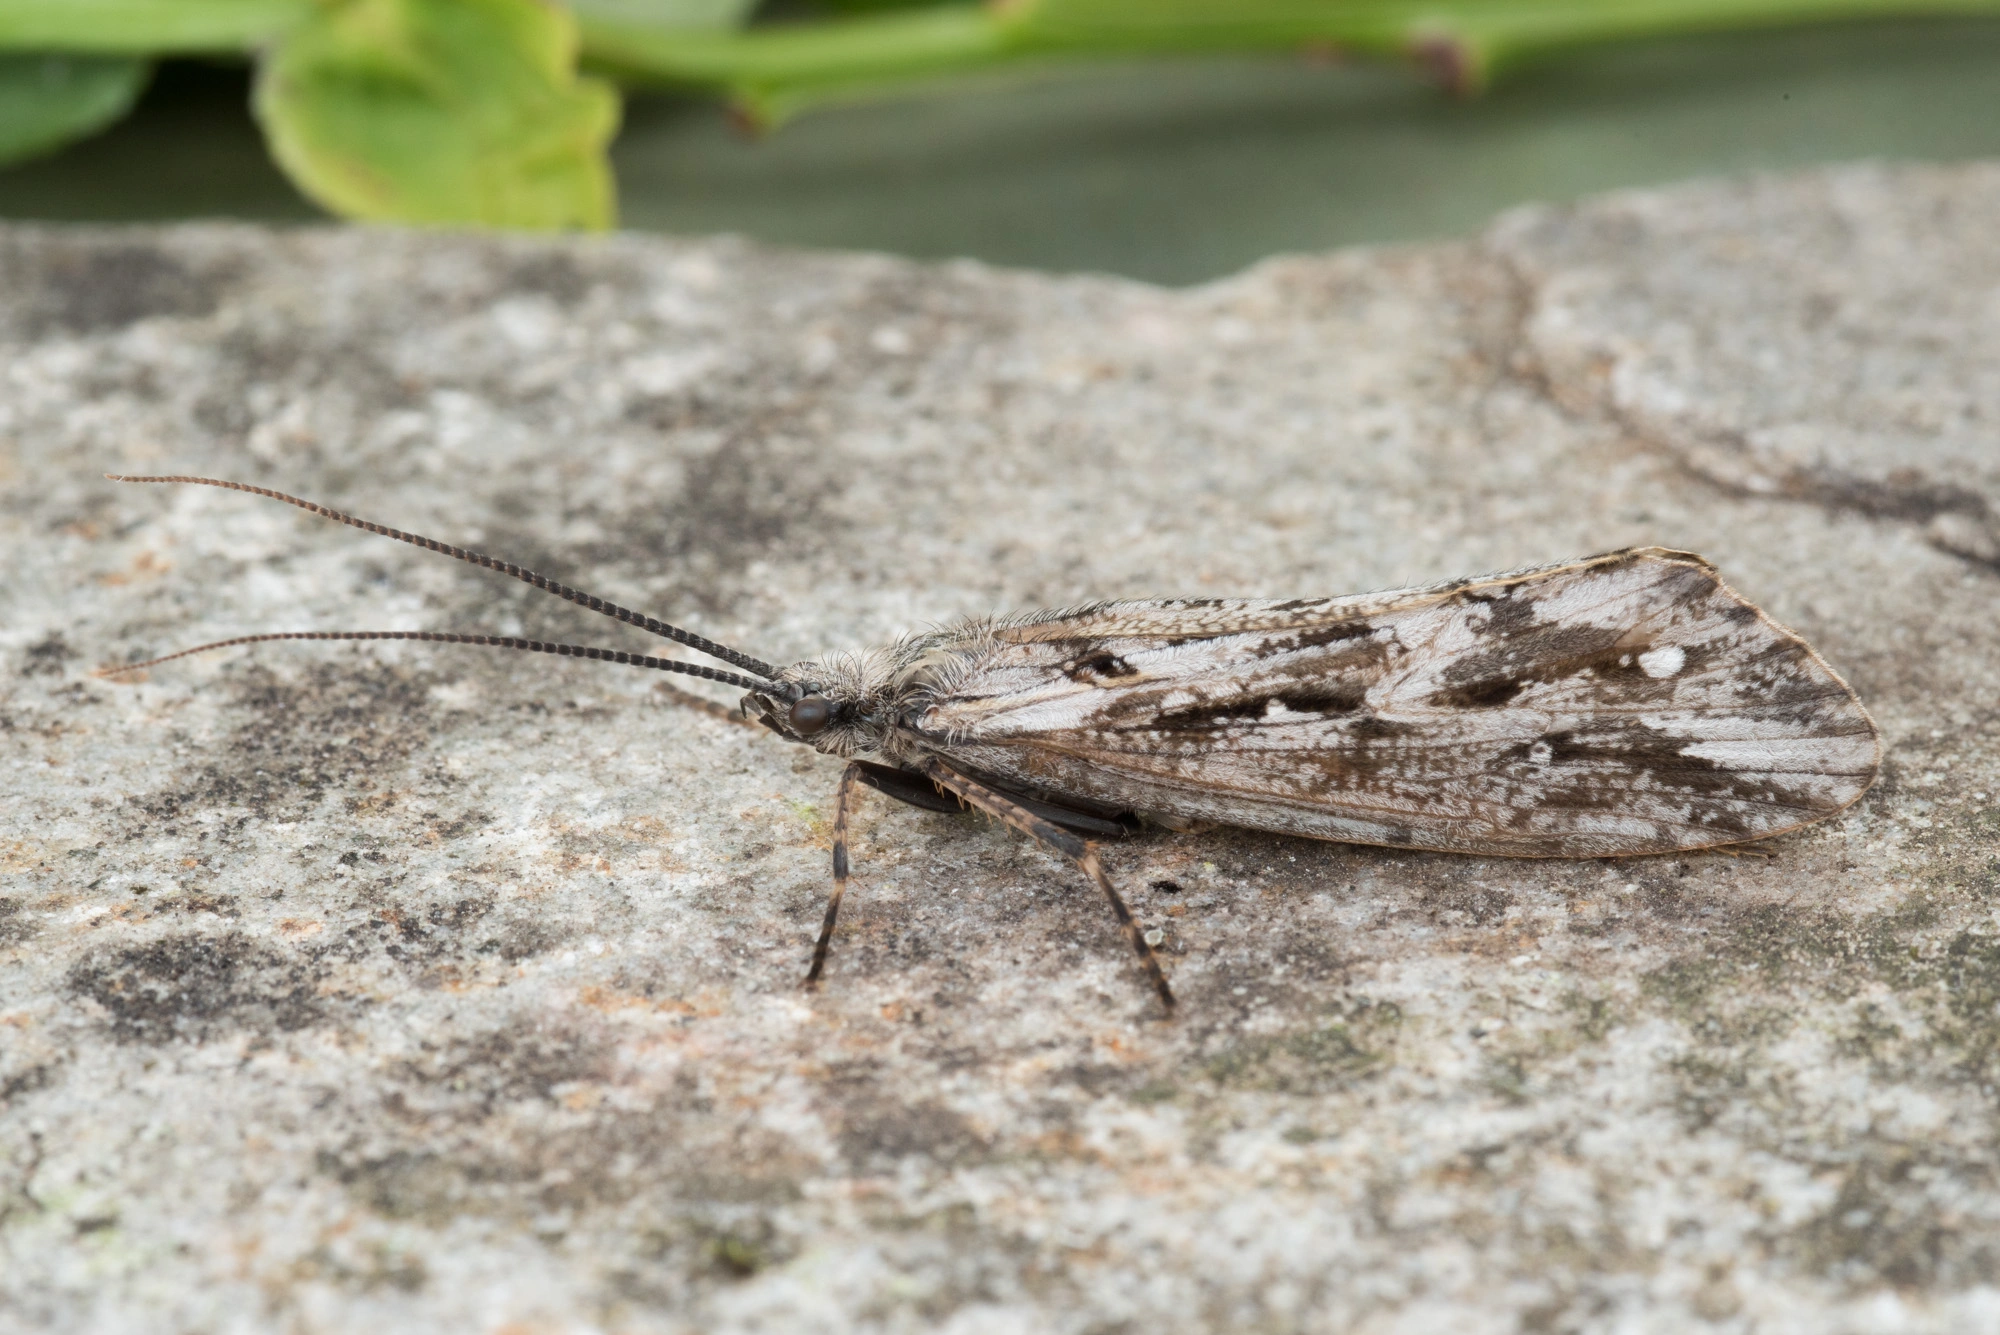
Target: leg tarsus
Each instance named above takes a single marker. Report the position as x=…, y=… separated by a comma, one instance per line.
x=1148, y=960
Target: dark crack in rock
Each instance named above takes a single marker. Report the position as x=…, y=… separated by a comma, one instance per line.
x=1809, y=353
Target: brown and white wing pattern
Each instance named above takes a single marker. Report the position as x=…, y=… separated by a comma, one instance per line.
x=1628, y=703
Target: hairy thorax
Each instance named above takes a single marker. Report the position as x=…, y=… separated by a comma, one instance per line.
x=879, y=697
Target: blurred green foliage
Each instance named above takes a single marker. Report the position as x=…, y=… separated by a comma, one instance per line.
x=499, y=112
x=47, y=99
x=441, y=111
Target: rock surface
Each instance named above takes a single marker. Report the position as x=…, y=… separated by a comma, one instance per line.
x=358, y=988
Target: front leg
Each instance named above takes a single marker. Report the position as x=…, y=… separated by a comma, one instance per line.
x=1049, y=835
x=843, y=802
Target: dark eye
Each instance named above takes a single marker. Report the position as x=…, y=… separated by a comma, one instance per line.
x=810, y=715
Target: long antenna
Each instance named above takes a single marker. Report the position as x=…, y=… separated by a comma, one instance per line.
x=542, y=582
x=701, y=670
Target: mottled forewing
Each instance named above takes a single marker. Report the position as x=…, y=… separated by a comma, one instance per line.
x=1629, y=703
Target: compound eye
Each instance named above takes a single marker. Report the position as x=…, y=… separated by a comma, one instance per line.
x=810, y=715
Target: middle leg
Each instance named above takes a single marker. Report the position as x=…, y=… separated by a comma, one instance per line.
x=1080, y=852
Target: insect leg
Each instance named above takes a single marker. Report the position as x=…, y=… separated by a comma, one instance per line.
x=714, y=709
x=843, y=801
x=914, y=789
x=1053, y=837
x=1104, y=823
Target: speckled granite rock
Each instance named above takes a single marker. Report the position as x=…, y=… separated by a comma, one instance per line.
x=354, y=990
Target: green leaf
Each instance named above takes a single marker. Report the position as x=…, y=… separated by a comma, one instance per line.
x=48, y=100
x=441, y=111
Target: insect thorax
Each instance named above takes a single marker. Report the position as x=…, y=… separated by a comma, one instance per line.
x=875, y=694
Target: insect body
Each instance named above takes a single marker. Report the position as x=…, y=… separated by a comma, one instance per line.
x=1622, y=704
